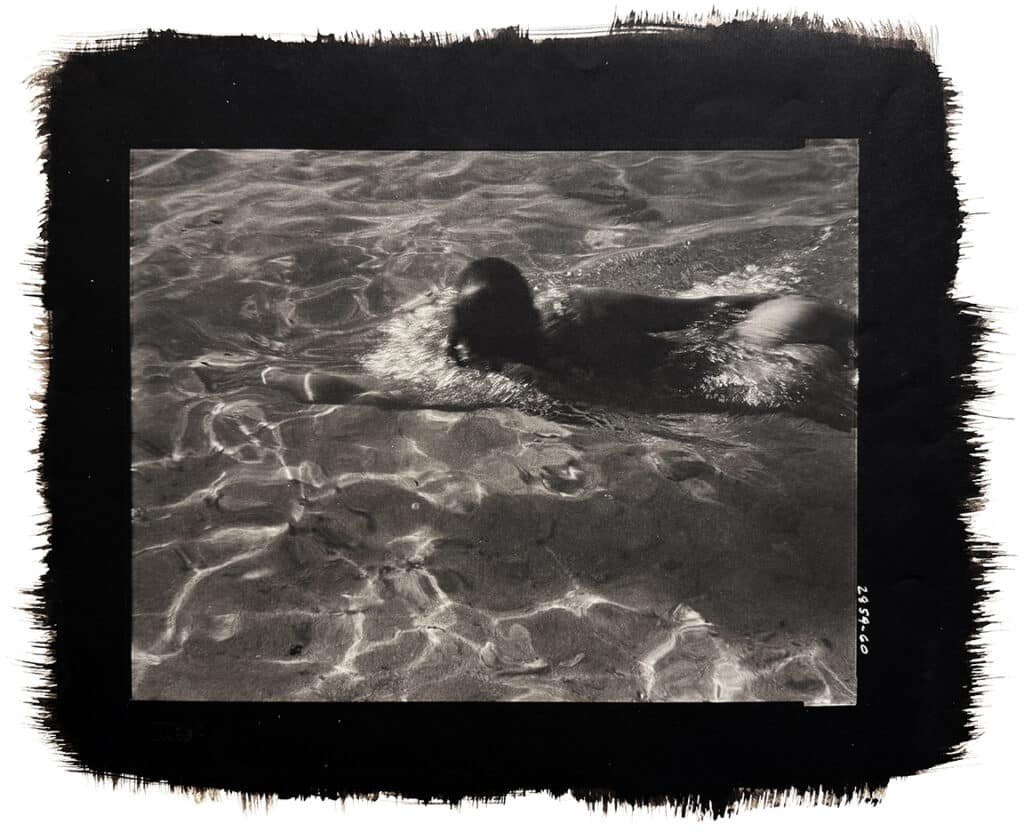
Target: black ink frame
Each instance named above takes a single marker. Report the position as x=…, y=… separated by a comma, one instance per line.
x=737, y=86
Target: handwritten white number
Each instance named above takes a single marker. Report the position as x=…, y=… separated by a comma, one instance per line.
x=864, y=619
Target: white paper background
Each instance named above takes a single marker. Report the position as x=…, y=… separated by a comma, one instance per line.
x=978, y=47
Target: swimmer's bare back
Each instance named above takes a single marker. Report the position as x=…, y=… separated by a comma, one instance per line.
x=771, y=320
x=651, y=313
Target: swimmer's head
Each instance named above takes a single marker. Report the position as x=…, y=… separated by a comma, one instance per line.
x=494, y=319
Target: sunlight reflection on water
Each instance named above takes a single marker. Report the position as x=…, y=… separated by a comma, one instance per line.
x=531, y=546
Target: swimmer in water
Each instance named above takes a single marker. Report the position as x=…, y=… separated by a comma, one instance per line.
x=601, y=332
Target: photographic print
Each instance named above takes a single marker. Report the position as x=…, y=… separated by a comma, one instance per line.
x=479, y=425
x=607, y=388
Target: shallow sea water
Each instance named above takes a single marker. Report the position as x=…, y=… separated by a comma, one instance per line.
x=503, y=541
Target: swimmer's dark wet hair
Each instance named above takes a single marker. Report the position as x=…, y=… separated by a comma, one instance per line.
x=494, y=319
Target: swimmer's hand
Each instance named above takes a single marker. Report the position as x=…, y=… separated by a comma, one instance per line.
x=314, y=386
x=274, y=376
x=331, y=388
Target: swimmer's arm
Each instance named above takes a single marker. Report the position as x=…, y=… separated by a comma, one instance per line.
x=329, y=388
x=647, y=313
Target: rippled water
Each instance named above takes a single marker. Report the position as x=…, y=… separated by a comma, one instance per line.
x=506, y=539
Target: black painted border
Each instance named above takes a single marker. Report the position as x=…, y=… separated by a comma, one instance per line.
x=741, y=85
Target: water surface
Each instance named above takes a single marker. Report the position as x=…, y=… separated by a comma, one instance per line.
x=506, y=539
